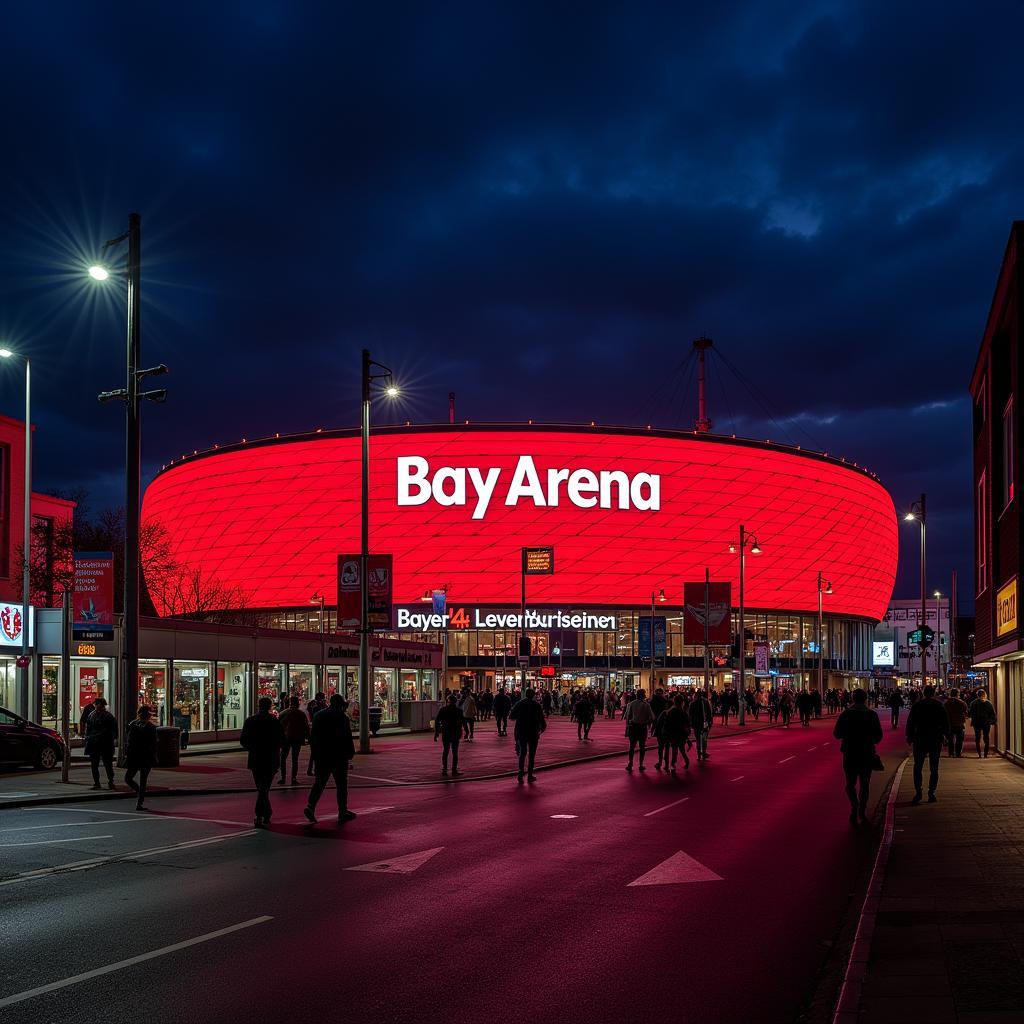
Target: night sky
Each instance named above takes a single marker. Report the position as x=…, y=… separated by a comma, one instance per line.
x=537, y=206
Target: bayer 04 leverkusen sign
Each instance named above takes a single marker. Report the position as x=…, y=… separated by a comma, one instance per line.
x=539, y=561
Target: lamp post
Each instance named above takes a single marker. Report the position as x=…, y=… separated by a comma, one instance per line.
x=659, y=596
x=131, y=396
x=938, y=637
x=824, y=587
x=318, y=598
x=388, y=387
x=746, y=540
x=26, y=595
x=919, y=513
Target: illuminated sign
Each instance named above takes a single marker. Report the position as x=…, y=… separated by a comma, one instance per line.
x=12, y=622
x=883, y=652
x=86, y=650
x=538, y=561
x=584, y=488
x=93, y=597
x=478, y=618
x=1006, y=608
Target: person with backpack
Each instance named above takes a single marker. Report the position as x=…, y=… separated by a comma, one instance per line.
x=448, y=725
x=858, y=729
x=140, y=753
x=983, y=717
x=100, y=738
x=639, y=719
x=295, y=724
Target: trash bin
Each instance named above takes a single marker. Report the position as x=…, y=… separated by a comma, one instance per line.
x=376, y=714
x=168, y=746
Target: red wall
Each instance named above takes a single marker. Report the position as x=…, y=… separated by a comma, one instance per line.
x=272, y=518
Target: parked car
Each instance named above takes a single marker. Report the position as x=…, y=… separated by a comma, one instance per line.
x=24, y=742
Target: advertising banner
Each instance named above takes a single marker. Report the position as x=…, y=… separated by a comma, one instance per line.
x=439, y=601
x=538, y=561
x=883, y=652
x=12, y=623
x=761, y=659
x=643, y=636
x=380, y=580
x=93, y=599
x=719, y=618
x=1006, y=608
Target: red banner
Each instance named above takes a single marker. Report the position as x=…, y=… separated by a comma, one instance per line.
x=93, y=605
x=380, y=579
x=719, y=614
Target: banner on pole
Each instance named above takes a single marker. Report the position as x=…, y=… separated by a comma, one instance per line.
x=380, y=580
x=643, y=636
x=93, y=598
x=719, y=617
x=761, y=658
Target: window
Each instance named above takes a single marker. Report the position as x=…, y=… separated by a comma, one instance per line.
x=982, y=538
x=979, y=406
x=1007, y=453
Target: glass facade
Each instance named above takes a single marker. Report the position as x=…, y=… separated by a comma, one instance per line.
x=232, y=694
x=192, y=697
x=153, y=687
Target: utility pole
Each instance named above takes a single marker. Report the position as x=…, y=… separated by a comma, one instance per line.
x=703, y=422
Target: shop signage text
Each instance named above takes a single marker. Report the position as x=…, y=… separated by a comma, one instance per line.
x=93, y=604
x=584, y=488
x=459, y=618
x=1006, y=608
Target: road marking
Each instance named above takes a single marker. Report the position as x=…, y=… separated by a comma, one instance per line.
x=130, y=962
x=50, y=842
x=372, y=810
x=375, y=778
x=87, y=824
x=809, y=749
x=93, y=862
x=564, y=815
x=404, y=865
x=679, y=868
x=135, y=816
x=675, y=803
x=738, y=777
x=15, y=796
x=790, y=758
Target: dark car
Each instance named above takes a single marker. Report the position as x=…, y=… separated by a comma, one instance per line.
x=23, y=742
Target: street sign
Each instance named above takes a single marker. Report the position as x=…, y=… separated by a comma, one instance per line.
x=922, y=636
x=538, y=561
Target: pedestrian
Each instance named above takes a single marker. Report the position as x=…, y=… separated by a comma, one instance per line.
x=957, y=711
x=530, y=723
x=140, y=753
x=895, y=704
x=263, y=738
x=639, y=719
x=786, y=707
x=333, y=749
x=84, y=720
x=677, y=729
x=295, y=724
x=448, y=725
x=501, y=707
x=859, y=729
x=584, y=718
x=805, y=705
x=313, y=708
x=701, y=718
x=100, y=737
x=927, y=729
x=983, y=717
x=468, y=715
x=660, y=733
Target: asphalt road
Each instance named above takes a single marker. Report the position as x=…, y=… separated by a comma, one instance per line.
x=511, y=901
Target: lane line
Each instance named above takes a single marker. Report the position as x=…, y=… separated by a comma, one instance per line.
x=738, y=777
x=790, y=758
x=51, y=842
x=666, y=807
x=92, y=862
x=374, y=778
x=133, y=815
x=809, y=749
x=84, y=824
x=131, y=961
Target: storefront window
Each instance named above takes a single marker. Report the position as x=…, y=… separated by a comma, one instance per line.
x=8, y=685
x=302, y=682
x=153, y=688
x=270, y=682
x=428, y=684
x=89, y=679
x=332, y=680
x=49, y=708
x=232, y=694
x=192, y=697
x=408, y=683
x=384, y=693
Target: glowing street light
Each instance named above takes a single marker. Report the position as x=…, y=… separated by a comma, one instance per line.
x=918, y=513
x=98, y=272
x=824, y=588
x=746, y=541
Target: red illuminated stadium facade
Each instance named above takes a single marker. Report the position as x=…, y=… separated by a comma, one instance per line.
x=629, y=512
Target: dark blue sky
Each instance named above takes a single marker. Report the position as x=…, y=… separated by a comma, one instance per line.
x=535, y=205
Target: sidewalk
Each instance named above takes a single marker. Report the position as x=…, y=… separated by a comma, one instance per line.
x=948, y=942
x=400, y=760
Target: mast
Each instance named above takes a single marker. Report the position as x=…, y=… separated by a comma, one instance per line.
x=702, y=424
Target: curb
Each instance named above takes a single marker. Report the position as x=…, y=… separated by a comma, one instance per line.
x=107, y=795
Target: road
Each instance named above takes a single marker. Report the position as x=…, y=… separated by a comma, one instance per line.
x=511, y=900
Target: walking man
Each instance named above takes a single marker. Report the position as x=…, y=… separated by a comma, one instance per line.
x=805, y=705
x=468, y=714
x=895, y=703
x=584, y=717
x=295, y=724
x=639, y=719
x=530, y=723
x=140, y=753
x=333, y=749
x=448, y=725
x=100, y=736
x=263, y=737
x=701, y=717
x=501, y=707
x=927, y=729
x=859, y=729
x=313, y=708
x=677, y=729
x=957, y=711
x=983, y=717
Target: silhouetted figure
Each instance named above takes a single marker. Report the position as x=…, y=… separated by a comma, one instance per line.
x=313, y=708
x=295, y=724
x=701, y=718
x=501, y=707
x=263, y=738
x=805, y=705
x=927, y=729
x=584, y=717
x=333, y=749
x=895, y=703
x=530, y=722
x=859, y=729
x=140, y=753
x=448, y=725
x=957, y=711
x=639, y=719
x=983, y=717
x=677, y=731
x=100, y=737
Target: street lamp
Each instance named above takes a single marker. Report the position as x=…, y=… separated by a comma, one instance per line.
x=919, y=513
x=937, y=594
x=660, y=596
x=391, y=390
x=26, y=597
x=824, y=587
x=131, y=396
x=746, y=541
x=318, y=598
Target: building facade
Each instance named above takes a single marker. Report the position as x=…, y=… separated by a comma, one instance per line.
x=995, y=421
x=896, y=660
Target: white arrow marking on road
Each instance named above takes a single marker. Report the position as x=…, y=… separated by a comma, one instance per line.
x=680, y=867
x=405, y=865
